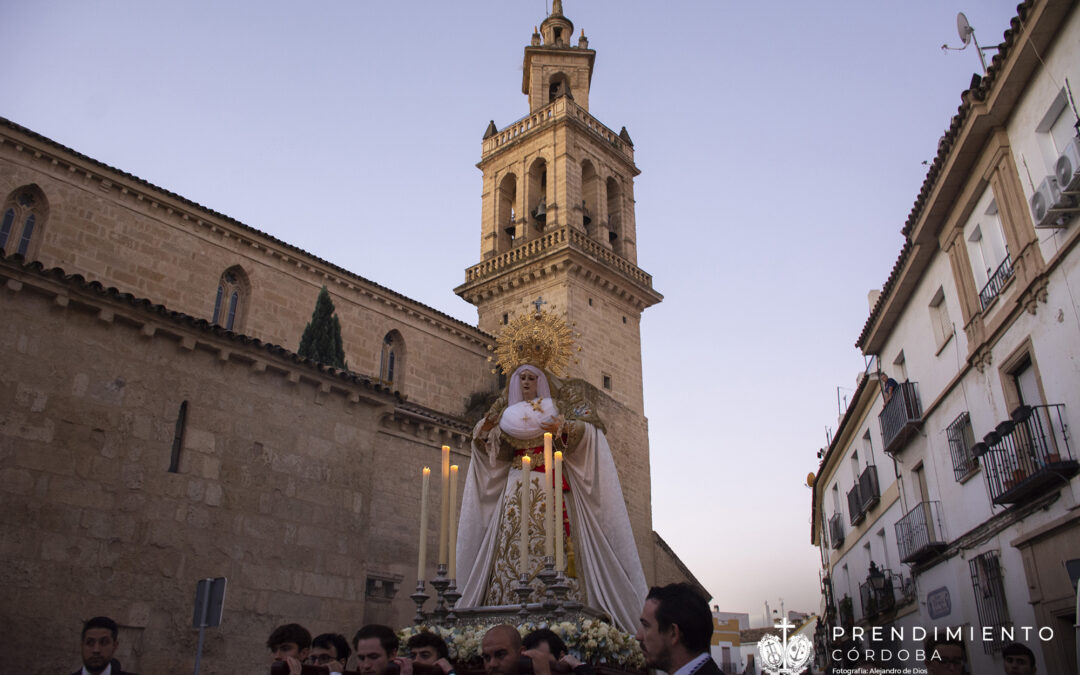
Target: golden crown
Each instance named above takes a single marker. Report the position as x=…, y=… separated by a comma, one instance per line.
x=540, y=338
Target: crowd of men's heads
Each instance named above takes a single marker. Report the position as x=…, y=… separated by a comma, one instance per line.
x=675, y=629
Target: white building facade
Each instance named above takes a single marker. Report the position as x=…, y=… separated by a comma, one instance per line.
x=975, y=521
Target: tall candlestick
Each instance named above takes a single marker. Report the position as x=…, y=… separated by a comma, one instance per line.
x=421, y=563
x=444, y=514
x=526, y=510
x=453, y=521
x=549, y=506
x=558, y=513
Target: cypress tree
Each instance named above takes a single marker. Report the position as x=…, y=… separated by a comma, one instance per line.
x=322, y=338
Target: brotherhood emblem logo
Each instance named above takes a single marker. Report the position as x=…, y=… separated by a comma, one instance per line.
x=787, y=657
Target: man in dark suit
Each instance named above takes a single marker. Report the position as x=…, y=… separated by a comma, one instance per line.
x=98, y=646
x=676, y=631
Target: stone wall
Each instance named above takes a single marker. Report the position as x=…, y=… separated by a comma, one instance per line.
x=116, y=229
x=289, y=484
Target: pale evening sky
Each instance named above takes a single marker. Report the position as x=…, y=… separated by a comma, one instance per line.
x=781, y=147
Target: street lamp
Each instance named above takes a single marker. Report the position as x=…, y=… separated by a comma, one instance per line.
x=877, y=578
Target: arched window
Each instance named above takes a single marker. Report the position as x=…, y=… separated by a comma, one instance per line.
x=24, y=214
x=230, y=302
x=536, y=194
x=590, y=195
x=558, y=86
x=392, y=361
x=506, y=227
x=614, y=213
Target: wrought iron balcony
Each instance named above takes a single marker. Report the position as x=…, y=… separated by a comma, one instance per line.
x=1028, y=454
x=869, y=493
x=919, y=534
x=864, y=495
x=836, y=531
x=901, y=417
x=846, y=610
x=996, y=282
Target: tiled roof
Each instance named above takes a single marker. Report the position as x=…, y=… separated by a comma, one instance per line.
x=977, y=93
x=79, y=282
x=4, y=122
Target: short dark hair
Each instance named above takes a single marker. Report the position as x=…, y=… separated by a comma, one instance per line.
x=290, y=632
x=429, y=639
x=932, y=643
x=554, y=642
x=338, y=642
x=100, y=622
x=1018, y=649
x=386, y=635
x=681, y=604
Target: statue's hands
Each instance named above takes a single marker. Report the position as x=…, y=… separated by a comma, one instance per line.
x=553, y=424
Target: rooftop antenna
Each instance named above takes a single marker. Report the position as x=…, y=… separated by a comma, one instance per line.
x=967, y=36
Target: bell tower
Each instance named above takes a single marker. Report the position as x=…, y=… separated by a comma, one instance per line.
x=558, y=217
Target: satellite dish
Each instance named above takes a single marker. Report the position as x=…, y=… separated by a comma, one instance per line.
x=964, y=29
x=810, y=479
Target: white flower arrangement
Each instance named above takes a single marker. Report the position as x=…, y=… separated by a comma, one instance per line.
x=590, y=640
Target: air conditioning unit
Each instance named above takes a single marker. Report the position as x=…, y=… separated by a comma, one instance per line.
x=1067, y=169
x=1047, y=197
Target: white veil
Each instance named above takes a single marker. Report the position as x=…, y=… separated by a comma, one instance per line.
x=514, y=384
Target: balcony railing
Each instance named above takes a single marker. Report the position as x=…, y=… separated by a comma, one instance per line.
x=836, y=531
x=864, y=495
x=996, y=282
x=1028, y=454
x=854, y=503
x=901, y=417
x=919, y=534
x=868, y=488
x=547, y=243
x=846, y=610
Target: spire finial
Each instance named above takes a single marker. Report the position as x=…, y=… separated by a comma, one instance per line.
x=556, y=8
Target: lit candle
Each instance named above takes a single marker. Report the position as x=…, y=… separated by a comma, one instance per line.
x=549, y=506
x=421, y=563
x=444, y=514
x=526, y=509
x=453, y=522
x=558, y=513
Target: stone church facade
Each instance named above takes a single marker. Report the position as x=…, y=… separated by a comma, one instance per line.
x=157, y=426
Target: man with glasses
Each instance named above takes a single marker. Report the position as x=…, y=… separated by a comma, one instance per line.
x=945, y=656
x=330, y=651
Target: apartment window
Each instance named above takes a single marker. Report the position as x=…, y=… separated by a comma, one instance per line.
x=868, y=447
x=939, y=318
x=230, y=301
x=961, y=440
x=24, y=213
x=987, y=250
x=986, y=581
x=900, y=367
x=1056, y=130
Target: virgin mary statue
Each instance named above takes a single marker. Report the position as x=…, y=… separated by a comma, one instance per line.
x=602, y=564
